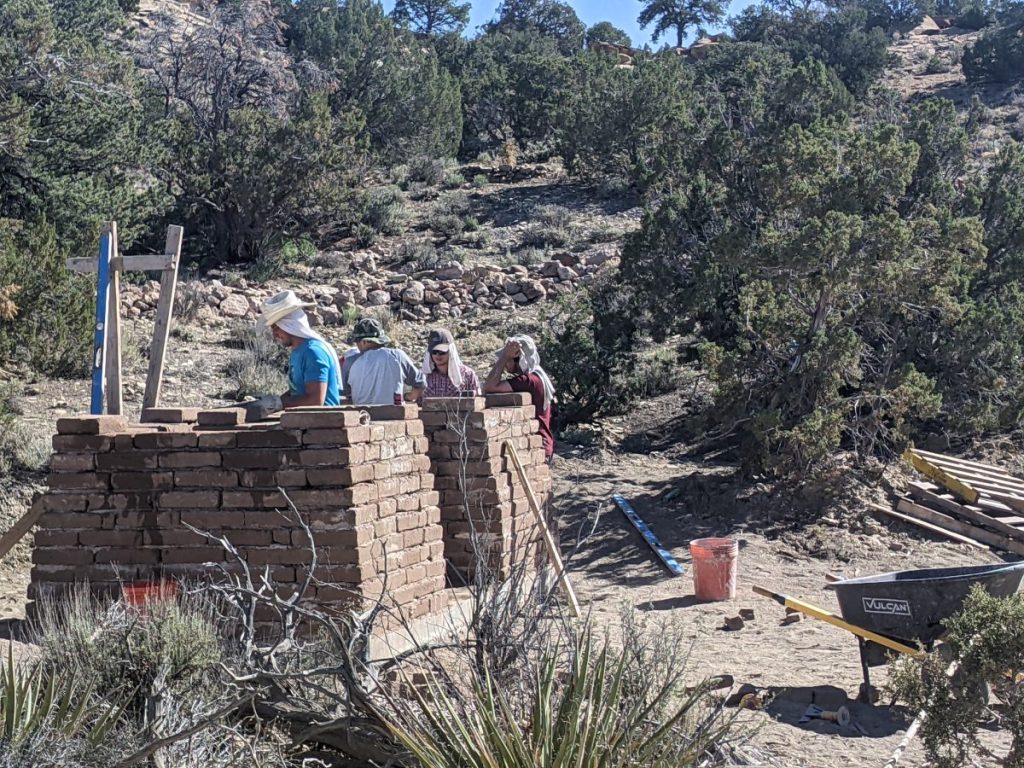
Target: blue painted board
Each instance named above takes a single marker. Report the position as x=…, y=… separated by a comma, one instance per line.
x=663, y=554
x=99, y=357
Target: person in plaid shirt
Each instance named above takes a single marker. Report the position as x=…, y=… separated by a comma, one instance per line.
x=445, y=373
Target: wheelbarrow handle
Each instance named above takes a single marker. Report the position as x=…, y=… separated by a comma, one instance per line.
x=830, y=618
x=780, y=599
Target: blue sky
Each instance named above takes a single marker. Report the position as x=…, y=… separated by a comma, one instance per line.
x=621, y=13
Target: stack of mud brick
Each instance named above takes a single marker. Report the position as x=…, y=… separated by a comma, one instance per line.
x=484, y=508
x=122, y=497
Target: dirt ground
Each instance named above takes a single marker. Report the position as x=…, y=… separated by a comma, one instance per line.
x=799, y=663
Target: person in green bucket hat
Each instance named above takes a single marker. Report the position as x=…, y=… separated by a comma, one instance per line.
x=379, y=373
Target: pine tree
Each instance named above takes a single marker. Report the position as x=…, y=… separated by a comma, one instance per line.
x=432, y=18
x=680, y=15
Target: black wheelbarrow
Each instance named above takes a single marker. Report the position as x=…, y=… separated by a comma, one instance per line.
x=903, y=611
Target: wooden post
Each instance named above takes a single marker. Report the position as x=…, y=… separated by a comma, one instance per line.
x=99, y=356
x=23, y=525
x=115, y=397
x=556, y=558
x=164, y=310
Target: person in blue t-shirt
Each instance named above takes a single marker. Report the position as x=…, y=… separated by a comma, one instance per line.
x=314, y=373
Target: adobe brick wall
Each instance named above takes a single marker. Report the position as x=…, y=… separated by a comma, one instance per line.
x=484, y=509
x=120, y=495
x=386, y=505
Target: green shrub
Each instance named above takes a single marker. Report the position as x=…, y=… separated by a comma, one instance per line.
x=46, y=312
x=997, y=56
x=384, y=211
x=427, y=170
x=937, y=66
x=123, y=649
x=480, y=181
x=453, y=180
x=986, y=640
x=419, y=255
x=364, y=234
x=447, y=225
x=258, y=369
x=273, y=262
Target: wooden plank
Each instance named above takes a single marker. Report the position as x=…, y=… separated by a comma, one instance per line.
x=24, y=524
x=115, y=397
x=99, y=347
x=987, y=506
x=549, y=542
x=934, y=500
x=907, y=507
x=977, y=479
x=959, y=468
x=1014, y=502
x=146, y=262
x=939, y=457
x=927, y=526
x=162, y=327
x=943, y=478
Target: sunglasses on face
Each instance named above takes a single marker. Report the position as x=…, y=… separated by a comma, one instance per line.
x=438, y=353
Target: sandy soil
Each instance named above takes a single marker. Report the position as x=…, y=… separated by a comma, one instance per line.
x=798, y=663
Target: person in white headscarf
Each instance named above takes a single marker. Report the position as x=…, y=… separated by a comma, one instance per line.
x=520, y=359
x=443, y=368
x=314, y=371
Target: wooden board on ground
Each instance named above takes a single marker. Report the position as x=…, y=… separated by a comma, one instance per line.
x=971, y=514
x=942, y=477
x=921, y=512
x=927, y=526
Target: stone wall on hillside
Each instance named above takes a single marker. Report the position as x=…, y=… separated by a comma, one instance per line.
x=368, y=481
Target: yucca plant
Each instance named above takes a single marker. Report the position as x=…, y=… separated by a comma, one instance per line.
x=32, y=699
x=584, y=714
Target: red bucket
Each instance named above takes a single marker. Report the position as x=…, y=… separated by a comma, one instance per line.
x=144, y=593
x=714, y=568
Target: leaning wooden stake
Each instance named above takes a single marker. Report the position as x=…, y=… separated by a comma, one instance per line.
x=556, y=558
x=164, y=310
x=20, y=528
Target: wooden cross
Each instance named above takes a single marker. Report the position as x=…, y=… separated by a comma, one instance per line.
x=106, y=364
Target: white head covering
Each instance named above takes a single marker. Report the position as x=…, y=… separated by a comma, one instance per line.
x=529, y=362
x=297, y=324
x=443, y=336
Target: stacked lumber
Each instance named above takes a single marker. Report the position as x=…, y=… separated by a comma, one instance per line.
x=967, y=500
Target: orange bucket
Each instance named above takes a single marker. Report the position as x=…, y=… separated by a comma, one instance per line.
x=141, y=594
x=714, y=568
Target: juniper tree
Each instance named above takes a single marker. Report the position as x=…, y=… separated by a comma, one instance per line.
x=70, y=157
x=410, y=102
x=606, y=32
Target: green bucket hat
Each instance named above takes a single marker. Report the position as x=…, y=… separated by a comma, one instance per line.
x=369, y=329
